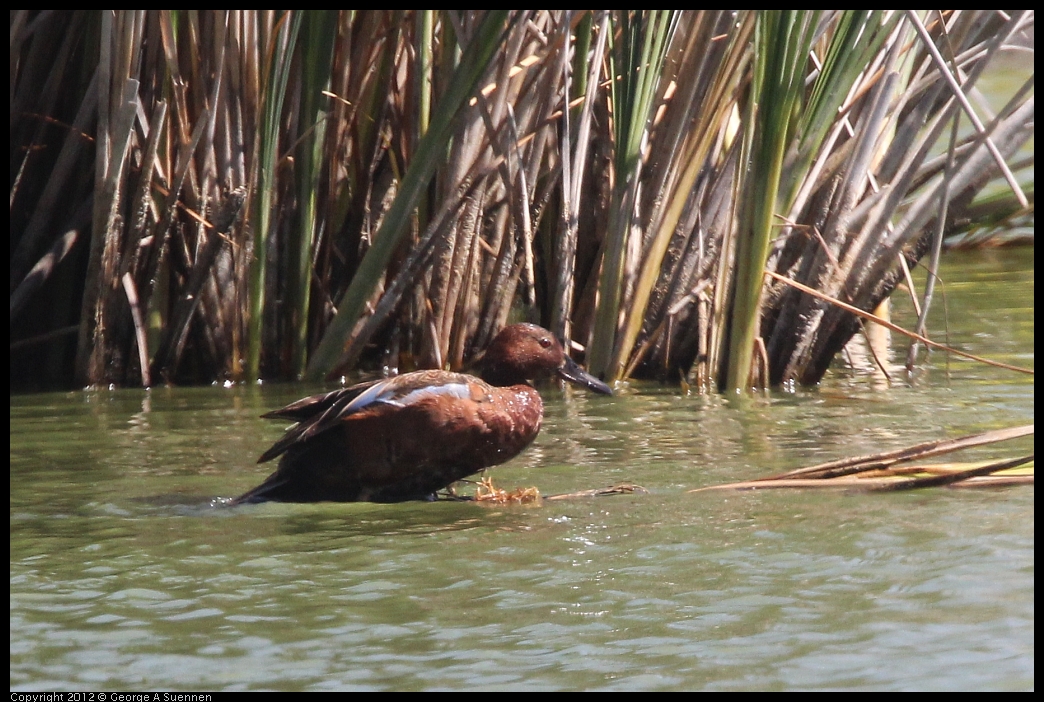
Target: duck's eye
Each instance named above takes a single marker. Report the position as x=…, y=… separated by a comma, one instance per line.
x=545, y=342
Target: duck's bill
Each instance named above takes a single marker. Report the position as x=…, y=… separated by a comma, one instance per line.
x=575, y=374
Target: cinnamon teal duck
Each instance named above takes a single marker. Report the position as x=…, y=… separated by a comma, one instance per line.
x=406, y=437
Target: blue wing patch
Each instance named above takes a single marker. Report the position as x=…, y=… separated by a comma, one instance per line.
x=386, y=393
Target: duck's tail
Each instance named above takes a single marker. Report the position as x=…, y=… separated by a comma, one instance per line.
x=272, y=490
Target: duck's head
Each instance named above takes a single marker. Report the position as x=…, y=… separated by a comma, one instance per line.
x=524, y=352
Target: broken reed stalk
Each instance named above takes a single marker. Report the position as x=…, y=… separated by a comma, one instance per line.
x=899, y=330
x=853, y=472
x=876, y=461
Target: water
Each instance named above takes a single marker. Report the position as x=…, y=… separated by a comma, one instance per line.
x=125, y=577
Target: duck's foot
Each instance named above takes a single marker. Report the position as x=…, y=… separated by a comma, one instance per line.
x=450, y=495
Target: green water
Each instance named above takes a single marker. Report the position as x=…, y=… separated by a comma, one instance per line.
x=125, y=577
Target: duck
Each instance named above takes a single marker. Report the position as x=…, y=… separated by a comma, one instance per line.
x=409, y=436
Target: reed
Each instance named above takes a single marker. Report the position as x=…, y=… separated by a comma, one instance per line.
x=236, y=195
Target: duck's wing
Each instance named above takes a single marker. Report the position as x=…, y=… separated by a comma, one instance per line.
x=314, y=415
x=317, y=404
x=319, y=413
